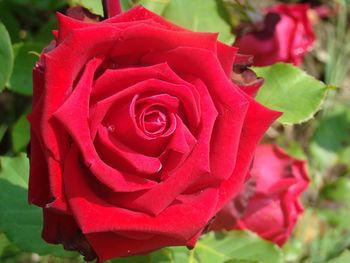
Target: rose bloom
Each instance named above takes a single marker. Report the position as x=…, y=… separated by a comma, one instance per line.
x=285, y=35
x=269, y=205
x=139, y=136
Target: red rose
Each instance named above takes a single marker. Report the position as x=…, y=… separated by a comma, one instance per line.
x=285, y=35
x=138, y=135
x=269, y=205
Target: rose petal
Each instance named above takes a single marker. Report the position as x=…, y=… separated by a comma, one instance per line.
x=191, y=213
x=73, y=117
x=39, y=186
x=121, y=246
x=257, y=121
x=229, y=103
x=226, y=54
x=182, y=92
x=58, y=227
x=124, y=158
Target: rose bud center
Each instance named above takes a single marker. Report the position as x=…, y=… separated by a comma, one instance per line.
x=155, y=114
x=153, y=120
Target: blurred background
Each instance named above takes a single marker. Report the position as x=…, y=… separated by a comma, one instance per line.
x=323, y=232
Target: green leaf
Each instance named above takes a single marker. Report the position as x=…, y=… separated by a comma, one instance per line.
x=15, y=170
x=20, y=134
x=134, y=259
x=236, y=246
x=241, y=261
x=331, y=139
x=8, y=252
x=199, y=15
x=21, y=222
x=157, y=6
x=45, y=33
x=338, y=217
x=338, y=191
x=294, y=149
x=25, y=58
x=343, y=258
x=160, y=256
x=290, y=90
x=332, y=243
x=3, y=129
x=3, y=243
x=6, y=57
x=8, y=18
x=94, y=6
x=126, y=4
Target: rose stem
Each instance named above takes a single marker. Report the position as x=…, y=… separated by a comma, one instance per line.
x=111, y=8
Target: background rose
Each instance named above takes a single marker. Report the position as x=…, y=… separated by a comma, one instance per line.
x=269, y=205
x=285, y=35
x=138, y=135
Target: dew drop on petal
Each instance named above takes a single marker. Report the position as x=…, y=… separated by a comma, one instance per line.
x=110, y=128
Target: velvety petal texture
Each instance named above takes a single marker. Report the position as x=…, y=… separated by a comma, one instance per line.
x=139, y=134
x=269, y=204
x=285, y=35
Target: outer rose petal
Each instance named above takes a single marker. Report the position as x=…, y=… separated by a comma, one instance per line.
x=73, y=116
x=37, y=194
x=181, y=220
x=226, y=54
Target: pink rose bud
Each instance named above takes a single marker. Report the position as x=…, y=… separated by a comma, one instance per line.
x=269, y=205
x=285, y=35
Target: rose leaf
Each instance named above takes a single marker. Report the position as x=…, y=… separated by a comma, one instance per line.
x=330, y=143
x=94, y=6
x=6, y=57
x=157, y=6
x=20, y=134
x=26, y=54
x=21, y=222
x=292, y=91
x=193, y=15
x=343, y=258
x=235, y=246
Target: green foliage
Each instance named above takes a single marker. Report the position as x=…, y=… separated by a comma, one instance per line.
x=292, y=91
x=93, y=5
x=8, y=18
x=3, y=243
x=26, y=54
x=157, y=6
x=331, y=139
x=200, y=15
x=20, y=134
x=126, y=4
x=6, y=56
x=338, y=47
x=337, y=192
x=3, y=128
x=328, y=246
x=343, y=258
x=237, y=246
x=20, y=222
